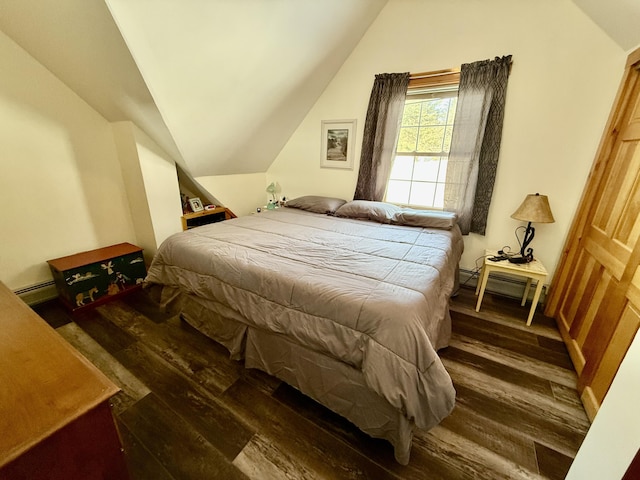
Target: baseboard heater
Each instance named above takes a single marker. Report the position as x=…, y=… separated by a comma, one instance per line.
x=37, y=293
x=501, y=284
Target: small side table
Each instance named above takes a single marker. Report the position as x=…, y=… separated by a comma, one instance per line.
x=204, y=217
x=532, y=271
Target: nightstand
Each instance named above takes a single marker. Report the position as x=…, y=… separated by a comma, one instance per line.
x=204, y=217
x=532, y=271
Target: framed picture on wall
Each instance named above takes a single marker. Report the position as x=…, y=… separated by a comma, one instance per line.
x=338, y=142
x=196, y=204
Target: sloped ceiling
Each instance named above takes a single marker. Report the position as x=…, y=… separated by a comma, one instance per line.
x=219, y=84
x=620, y=19
x=233, y=79
x=78, y=41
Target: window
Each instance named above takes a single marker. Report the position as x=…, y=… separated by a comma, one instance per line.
x=419, y=169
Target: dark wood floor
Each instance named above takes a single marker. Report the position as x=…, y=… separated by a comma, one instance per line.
x=188, y=412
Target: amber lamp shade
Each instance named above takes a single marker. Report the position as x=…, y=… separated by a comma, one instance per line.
x=534, y=209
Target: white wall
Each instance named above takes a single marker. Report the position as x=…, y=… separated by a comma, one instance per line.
x=614, y=436
x=151, y=182
x=241, y=194
x=161, y=187
x=125, y=141
x=61, y=188
x=564, y=78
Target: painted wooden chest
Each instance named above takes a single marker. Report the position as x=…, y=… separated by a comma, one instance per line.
x=96, y=276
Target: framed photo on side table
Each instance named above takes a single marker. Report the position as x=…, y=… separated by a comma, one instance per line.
x=196, y=204
x=338, y=142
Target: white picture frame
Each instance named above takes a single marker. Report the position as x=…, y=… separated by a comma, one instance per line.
x=338, y=144
x=196, y=204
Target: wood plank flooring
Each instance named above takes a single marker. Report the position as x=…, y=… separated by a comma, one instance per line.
x=186, y=411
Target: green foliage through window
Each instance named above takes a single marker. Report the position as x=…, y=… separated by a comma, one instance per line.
x=419, y=169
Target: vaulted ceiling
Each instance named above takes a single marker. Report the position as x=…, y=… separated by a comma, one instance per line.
x=219, y=84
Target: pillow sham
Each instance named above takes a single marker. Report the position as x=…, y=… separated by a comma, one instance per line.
x=377, y=211
x=425, y=218
x=316, y=204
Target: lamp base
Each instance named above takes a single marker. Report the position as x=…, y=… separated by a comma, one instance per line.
x=521, y=259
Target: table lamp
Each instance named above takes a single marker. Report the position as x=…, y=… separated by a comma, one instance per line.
x=534, y=208
x=272, y=189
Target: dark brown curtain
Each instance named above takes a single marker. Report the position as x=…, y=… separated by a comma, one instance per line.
x=475, y=142
x=380, y=134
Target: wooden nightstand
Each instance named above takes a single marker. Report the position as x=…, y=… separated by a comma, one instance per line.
x=532, y=271
x=204, y=217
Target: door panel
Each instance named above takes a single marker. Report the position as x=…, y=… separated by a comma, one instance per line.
x=585, y=279
x=601, y=249
x=595, y=295
x=634, y=289
x=592, y=288
x=629, y=227
x=591, y=308
x=615, y=351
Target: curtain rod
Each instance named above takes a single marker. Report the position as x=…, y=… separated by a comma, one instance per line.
x=436, y=73
x=436, y=78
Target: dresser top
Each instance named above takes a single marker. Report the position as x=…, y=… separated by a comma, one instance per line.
x=45, y=383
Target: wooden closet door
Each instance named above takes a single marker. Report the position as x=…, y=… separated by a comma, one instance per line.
x=595, y=295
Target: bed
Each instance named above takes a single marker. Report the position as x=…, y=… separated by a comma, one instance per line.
x=345, y=301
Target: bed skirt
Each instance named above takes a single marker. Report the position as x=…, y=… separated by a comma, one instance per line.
x=336, y=385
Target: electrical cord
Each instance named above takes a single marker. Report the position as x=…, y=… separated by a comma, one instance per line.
x=521, y=227
x=474, y=273
x=505, y=251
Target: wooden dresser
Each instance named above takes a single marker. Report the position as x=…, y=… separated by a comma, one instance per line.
x=55, y=418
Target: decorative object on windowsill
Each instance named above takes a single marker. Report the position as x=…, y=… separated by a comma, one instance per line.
x=534, y=208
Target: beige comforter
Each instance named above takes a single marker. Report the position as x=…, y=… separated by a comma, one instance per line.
x=371, y=295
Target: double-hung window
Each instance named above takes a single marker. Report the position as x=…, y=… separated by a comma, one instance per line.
x=419, y=170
